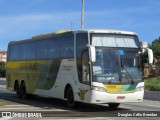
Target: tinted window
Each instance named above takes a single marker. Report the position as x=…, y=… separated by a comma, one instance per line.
x=81, y=42
x=14, y=53
x=23, y=51
x=42, y=51
x=10, y=52
x=31, y=50
x=68, y=46
x=54, y=48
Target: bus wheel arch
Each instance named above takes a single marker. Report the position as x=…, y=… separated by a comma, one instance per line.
x=65, y=90
x=16, y=84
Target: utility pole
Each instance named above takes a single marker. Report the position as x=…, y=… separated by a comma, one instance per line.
x=71, y=25
x=82, y=17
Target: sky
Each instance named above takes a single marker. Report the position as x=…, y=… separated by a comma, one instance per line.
x=22, y=19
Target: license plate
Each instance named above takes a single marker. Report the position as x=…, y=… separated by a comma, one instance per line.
x=120, y=97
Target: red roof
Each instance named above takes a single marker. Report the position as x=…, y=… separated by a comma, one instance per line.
x=3, y=51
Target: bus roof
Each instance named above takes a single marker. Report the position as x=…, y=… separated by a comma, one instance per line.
x=42, y=36
x=50, y=34
x=108, y=31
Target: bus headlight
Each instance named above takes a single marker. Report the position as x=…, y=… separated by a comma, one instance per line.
x=100, y=89
x=141, y=88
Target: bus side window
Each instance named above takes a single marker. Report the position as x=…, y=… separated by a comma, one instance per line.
x=23, y=51
x=54, y=48
x=42, y=52
x=14, y=52
x=67, y=46
x=32, y=50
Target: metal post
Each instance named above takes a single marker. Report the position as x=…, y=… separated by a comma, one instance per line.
x=71, y=25
x=82, y=17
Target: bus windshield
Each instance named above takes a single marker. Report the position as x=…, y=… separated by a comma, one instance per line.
x=114, y=66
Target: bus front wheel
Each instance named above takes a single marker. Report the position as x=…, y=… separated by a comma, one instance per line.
x=70, y=98
x=113, y=106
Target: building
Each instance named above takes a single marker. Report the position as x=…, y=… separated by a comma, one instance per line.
x=3, y=56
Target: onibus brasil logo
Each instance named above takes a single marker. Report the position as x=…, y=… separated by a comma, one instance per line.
x=21, y=114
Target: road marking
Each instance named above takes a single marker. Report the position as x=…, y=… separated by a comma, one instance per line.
x=6, y=118
x=17, y=105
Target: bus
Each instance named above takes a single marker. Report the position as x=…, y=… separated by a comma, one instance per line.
x=88, y=66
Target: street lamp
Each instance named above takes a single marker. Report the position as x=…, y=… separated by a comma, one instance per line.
x=82, y=17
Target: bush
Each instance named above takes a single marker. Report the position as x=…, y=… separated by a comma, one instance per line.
x=152, y=84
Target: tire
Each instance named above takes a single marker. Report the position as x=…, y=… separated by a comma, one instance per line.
x=23, y=91
x=70, y=98
x=17, y=89
x=113, y=106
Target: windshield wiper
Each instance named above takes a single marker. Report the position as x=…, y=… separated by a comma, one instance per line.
x=128, y=74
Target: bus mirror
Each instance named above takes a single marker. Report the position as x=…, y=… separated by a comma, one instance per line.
x=150, y=55
x=92, y=54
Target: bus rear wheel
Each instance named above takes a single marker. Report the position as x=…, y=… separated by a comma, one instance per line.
x=70, y=98
x=113, y=106
x=23, y=91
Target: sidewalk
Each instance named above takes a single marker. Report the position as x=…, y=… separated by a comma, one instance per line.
x=3, y=83
x=2, y=78
x=152, y=95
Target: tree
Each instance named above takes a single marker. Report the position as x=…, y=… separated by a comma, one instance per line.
x=155, y=46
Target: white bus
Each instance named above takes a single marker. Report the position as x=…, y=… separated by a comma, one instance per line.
x=89, y=66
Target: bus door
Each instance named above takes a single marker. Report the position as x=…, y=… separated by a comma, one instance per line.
x=85, y=86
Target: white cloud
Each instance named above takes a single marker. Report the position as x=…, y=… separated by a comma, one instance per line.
x=25, y=26
x=36, y=21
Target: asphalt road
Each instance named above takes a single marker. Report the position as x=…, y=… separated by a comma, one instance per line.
x=56, y=109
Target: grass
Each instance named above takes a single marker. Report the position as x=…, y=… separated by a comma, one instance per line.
x=152, y=84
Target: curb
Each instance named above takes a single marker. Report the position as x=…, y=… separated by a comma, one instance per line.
x=2, y=79
x=152, y=95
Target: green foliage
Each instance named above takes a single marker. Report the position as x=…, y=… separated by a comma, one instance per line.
x=152, y=84
x=155, y=46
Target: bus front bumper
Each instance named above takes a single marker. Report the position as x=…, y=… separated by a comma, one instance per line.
x=104, y=97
